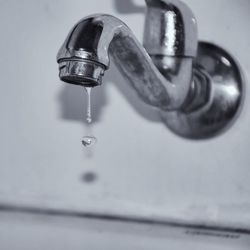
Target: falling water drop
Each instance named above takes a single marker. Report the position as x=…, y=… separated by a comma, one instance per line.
x=88, y=141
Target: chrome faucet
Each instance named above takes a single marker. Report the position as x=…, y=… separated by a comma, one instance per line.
x=196, y=86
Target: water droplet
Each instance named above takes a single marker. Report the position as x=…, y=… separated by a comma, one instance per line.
x=88, y=141
x=89, y=177
x=89, y=116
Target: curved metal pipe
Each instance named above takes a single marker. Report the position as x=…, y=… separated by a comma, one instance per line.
x=163, y=80
x=198, y=94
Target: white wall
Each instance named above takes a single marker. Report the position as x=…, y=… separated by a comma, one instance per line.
x=38, y=232
x=140, y=167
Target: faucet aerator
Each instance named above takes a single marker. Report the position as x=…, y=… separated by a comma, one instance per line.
x=81, y=72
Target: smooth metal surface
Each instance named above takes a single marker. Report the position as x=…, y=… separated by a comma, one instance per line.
x=225, y=94
x=170, y=29
x=166, y=75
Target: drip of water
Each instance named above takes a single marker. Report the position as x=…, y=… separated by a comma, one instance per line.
x=88, y=141
x=89, y=116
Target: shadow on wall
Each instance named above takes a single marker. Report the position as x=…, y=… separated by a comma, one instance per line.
x=73, y=99
x=129, y=6
x=73, y=103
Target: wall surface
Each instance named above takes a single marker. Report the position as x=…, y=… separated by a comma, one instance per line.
x=39, y=232
x=138, y=167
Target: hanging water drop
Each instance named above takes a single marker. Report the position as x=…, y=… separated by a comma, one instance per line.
x=88, y=141
x=89, y=116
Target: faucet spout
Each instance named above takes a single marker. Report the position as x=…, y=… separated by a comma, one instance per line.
x=162, y=80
